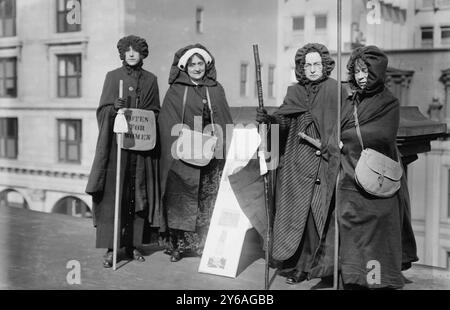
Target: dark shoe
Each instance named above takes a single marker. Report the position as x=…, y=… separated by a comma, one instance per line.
x=167, y=251
x=176, y=256
x=296, y=277
x=135, y=254
x=108, y=259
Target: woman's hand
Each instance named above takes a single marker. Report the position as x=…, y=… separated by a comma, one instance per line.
x=119, y=103
x=262, y=116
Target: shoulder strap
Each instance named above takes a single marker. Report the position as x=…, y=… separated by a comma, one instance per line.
x=184, y=104
x=358, y=130
x=210, y=109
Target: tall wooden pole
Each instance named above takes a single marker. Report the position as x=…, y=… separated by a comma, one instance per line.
x=117, y=198
x=339, y=94
x=261, y=154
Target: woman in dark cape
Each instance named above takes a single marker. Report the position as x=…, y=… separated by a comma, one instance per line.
x=188, y=191
x=376, y=238
x=303, y=230
x=140, y=201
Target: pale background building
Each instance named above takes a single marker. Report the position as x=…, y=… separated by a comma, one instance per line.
x=51, y=75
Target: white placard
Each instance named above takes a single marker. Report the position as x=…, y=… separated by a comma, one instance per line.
x=229, y=224
x=141, y=135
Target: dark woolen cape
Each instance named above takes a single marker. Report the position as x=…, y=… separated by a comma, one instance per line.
x=313, y=111
x=306, y=179
x=182, y=208
x=372, y=228
x=102, y=179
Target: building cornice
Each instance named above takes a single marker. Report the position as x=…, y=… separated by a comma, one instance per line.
x=44, y=172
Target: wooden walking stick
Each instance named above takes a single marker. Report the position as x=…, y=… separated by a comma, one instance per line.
x=262, y=161
x=120, y=127
x=336, y=202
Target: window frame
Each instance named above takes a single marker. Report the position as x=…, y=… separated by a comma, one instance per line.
x=67, y=143
x=426, y=29
x=3, y=19
x=66, y=77
x=445, y=28
x=326, y=21
x=4, y=78
x=243, y=79
x=293, y=23
x=5, y=137
x=199, y=17
x=67, y=27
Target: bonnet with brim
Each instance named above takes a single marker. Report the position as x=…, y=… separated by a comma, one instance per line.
x=178, y=73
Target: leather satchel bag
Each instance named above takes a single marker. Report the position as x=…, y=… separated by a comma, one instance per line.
x=194, y=147
x=375, y=172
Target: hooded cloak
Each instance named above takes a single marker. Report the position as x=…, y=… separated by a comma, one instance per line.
x=183, y=200
x=372, y=228
x=306, y=175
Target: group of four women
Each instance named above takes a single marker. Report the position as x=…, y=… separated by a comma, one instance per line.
x=162, y=194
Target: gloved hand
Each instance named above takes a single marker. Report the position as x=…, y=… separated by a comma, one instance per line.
x=262, y=116
x=120, y=103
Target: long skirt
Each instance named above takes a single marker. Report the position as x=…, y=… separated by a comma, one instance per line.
x=193, y=240
x=370, y=240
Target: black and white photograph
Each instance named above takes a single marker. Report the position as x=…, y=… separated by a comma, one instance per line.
x=248, y=146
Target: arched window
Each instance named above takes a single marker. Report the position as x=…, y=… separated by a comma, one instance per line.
x=12, y=198
x=72, y=206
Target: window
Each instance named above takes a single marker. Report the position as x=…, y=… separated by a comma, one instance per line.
x=72, y=206
x=271, y=79
x=243, y=80
x=298, y=23
x=62, y=14
x=8, y=137
x=69, y=75
x=199, y=20
x=8, y=77
x=321, y=22
x=427, y=36
x=8, y=18
x=69, y=140
x=445, y=35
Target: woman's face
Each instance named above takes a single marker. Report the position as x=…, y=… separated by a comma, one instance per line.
x=361, y=74
x=132, y=57
x=313, y=66
x=196, y=68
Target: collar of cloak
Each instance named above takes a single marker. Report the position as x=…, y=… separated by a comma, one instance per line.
x=318, y=99
x=369, y=108
x=134, y=76
x=177, y=76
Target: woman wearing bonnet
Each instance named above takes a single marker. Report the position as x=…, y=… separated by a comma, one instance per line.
x=189, y=191
x=139, y=186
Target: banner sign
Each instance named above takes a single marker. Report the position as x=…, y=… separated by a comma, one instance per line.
x=229, y=224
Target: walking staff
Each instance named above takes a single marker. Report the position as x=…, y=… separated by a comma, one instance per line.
x=120, y=127
x=262, y=160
